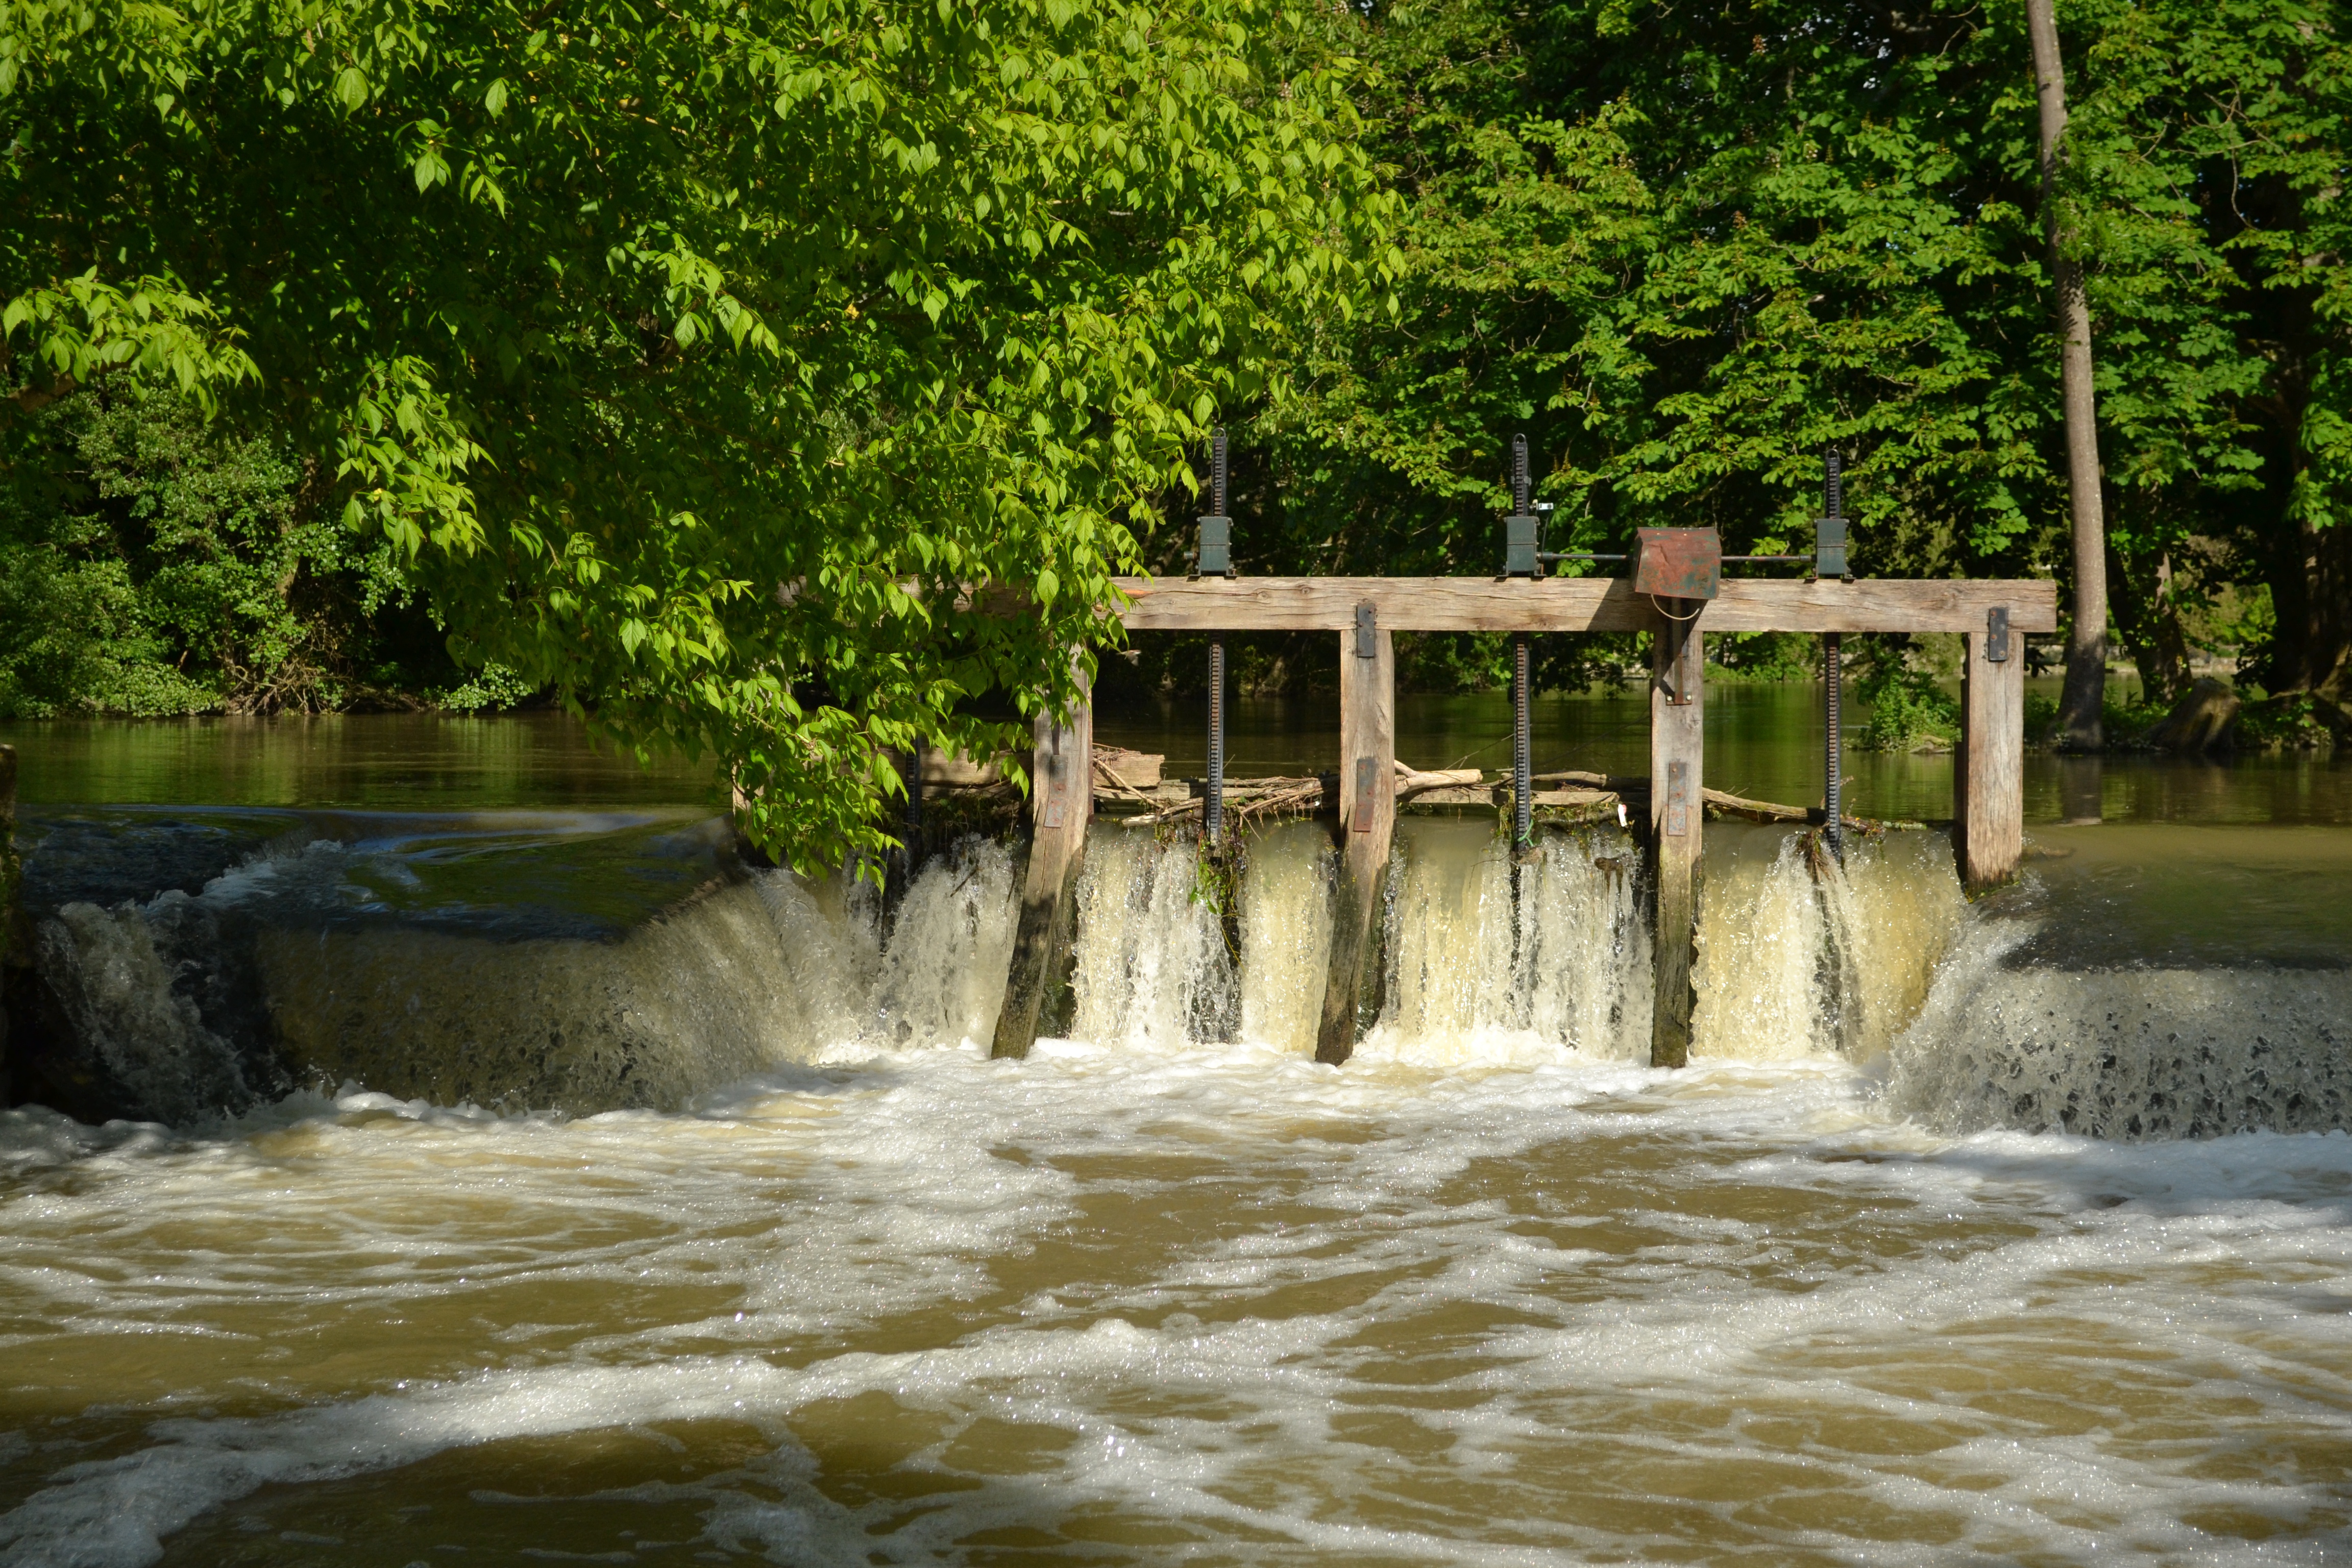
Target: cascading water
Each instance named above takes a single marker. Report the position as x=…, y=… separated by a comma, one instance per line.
x=1153, y=970
x=281, y=971
x=1285, y=926
x=326, y=960
x=1475, y=972
x=1803, y=954
x=2125, y=1053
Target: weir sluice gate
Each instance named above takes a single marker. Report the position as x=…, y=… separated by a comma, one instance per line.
x=1675, y=591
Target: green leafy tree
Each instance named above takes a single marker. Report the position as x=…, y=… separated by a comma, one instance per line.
x=698, y=359
x=152, y=563
x=1686, y=250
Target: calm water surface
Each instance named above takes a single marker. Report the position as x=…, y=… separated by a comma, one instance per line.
x=1762, y=740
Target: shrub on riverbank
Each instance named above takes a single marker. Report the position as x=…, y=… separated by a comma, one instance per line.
x=159, y=567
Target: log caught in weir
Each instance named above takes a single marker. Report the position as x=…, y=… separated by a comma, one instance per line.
x=1677, y=751
x=1061, y=803
x=1367, y=823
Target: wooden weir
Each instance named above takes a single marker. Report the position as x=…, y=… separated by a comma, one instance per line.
x=1366, y=612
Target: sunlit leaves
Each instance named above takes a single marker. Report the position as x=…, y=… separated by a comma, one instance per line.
x=614, y=322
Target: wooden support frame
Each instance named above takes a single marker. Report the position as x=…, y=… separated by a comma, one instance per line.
x=1367, y=823
x=1369, y=610
x=1989, y=775
x=1677, y=818
x=1577, y=604
x=1061, y=804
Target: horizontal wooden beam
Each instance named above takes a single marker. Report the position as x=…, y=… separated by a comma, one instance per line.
x=1579, y=605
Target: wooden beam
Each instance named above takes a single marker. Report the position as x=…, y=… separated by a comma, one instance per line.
x=1989, y=775
x=1367, y=821
x=1677, y=813
x=1576, y=604
x=1061, y=801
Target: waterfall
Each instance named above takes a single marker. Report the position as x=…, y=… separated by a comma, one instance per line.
x=302, y=965
x=2126, y=1053
x=1475, y=972
x=1286, y=920
x=1153, y=970
x=1800, y=954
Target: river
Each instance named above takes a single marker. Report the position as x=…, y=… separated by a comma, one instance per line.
x=639, y=1209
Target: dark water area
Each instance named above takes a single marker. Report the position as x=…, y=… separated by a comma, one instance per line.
x=1762, y=740
x=389, y=762
x=510, y=875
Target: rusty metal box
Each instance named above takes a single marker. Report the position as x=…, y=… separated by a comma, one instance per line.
x=1677, y=563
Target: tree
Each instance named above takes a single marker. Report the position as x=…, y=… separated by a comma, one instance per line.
x=698, y=359
x=2082, y=706
x=1684, y=249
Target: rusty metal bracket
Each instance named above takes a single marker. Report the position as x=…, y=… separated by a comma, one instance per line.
x=1677, y=563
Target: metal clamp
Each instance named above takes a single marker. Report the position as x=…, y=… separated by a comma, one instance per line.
x=1212, y=551
x=1830, y=531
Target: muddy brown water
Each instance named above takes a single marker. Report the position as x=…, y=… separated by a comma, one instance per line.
x=1494, y=1293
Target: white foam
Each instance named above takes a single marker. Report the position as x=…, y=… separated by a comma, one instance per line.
x=1888, y=1275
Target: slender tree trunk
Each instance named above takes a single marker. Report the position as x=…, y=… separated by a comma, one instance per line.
x=2150, y=626
x=2086, y=649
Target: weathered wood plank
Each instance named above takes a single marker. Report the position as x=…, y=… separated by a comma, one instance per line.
x=1577, y=604
x=1368, y=779
x=1989, y=777
x=1061, y=801
x=1677, y=815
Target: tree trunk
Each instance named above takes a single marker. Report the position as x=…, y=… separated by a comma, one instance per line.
x=2086, y=648
x=2150, y=624
x=2310, y=591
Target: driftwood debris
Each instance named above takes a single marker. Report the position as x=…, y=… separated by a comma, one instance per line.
x=1134, y=788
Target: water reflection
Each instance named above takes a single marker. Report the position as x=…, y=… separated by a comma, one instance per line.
x=2078, y=789
x=1763, y=740
x=385, y=760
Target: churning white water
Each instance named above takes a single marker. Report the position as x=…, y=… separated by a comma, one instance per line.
x=1169, y=1290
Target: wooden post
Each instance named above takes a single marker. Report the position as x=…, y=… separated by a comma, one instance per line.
x=1989, y=775
x=1367, y=820
x=13, y=950
x=1061, y=802
x=1677, y=813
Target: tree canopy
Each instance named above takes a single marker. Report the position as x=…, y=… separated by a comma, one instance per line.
x=692, y=360
x=693, y=357
x=1685, y=250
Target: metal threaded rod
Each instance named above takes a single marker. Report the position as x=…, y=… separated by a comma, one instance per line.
x=1836, y=486
x=1213, y=811
x=1213, y=815
x=1522, y=822
x=1522, y=826
x=1833, y=804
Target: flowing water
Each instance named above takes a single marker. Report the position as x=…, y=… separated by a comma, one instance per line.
x=614, y=1202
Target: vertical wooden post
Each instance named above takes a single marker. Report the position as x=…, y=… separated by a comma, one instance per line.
x=1677, y=813
x=1367, y=820
x=1989, y=775
x=1061, y=802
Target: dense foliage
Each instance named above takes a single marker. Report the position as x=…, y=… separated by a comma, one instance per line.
x=687, y=358
x=690, y=358
x=164, y=566
x=1684, y=249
